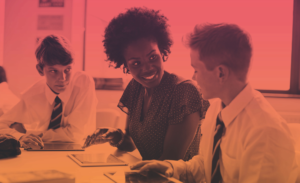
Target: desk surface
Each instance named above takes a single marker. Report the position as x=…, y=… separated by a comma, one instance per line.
x=59, y=160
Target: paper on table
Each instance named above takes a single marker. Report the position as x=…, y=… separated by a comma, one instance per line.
x=99, y=159
x=118, y=177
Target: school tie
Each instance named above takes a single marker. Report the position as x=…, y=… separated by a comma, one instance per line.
x=215, y=170
x=56, y=114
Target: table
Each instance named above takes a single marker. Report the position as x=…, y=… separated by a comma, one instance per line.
x=59, y=160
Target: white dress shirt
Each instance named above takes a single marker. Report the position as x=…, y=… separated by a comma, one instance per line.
x=257, y=145
x=35, y=108
x=7, y=98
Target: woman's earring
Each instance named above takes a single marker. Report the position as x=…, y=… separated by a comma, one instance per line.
x=165, y=57
x=126, y=70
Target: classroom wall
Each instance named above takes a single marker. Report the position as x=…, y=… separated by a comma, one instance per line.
x=269, y=24
x=271, y=52
x=270, y=35
x=20, y=32
x=2, y=13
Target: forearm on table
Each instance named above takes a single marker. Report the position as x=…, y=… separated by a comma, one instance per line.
x=127, y=144
x=8, y=128
x=189, y=171
x=12, y=132
x=13, y=121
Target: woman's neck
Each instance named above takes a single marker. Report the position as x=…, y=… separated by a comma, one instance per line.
x=149, y=92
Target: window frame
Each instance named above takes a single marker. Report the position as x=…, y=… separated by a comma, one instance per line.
x=294, y=91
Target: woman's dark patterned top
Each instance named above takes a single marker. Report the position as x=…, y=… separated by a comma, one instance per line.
x=172, y=100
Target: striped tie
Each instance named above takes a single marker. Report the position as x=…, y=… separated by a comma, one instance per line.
x=216, y=174
x=56, y=114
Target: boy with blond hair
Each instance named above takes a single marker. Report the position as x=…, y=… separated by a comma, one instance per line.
x=244, y=139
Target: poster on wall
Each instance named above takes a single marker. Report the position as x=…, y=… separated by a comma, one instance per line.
x=109, y=84
x=50, y=22
x=51, y=3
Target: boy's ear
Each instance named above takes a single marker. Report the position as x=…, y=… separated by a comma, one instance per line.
x=223, y=73
x=39, y=69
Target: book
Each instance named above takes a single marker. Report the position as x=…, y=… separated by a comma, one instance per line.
x=41, y=176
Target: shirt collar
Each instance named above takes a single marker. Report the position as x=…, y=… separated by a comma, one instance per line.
x=64, y=96
x=237, y=105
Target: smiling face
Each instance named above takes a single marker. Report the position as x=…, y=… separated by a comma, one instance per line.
x=206, y=79
x=57, y=76
x=144, y=62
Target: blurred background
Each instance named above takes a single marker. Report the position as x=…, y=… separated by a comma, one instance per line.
x=269, y=23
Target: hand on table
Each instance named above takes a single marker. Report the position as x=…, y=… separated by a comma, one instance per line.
x=19, y=127
x=102, y=135
x=31, y=141
x=163, y=167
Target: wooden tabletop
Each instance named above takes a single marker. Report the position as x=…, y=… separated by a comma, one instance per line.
x=59, y=160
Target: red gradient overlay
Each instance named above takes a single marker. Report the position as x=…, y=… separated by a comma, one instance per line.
x=268, y=22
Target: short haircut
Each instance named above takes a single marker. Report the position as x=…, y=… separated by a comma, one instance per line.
x=2, y=75
x=135, y=24
x=52, y=50
x=222, y=44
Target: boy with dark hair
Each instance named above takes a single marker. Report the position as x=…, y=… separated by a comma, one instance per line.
x=61, y=107
x=244, y=139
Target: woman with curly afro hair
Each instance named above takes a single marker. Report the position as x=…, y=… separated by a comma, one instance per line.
x=164, y=110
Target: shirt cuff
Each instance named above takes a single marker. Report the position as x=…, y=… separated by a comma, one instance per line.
x=34, y=132
x=48, y=136
x=179, y=168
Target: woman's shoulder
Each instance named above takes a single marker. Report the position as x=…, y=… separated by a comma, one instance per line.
x=188, y=94
x=185, y=84
x=132, y=89
x=133, y=85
